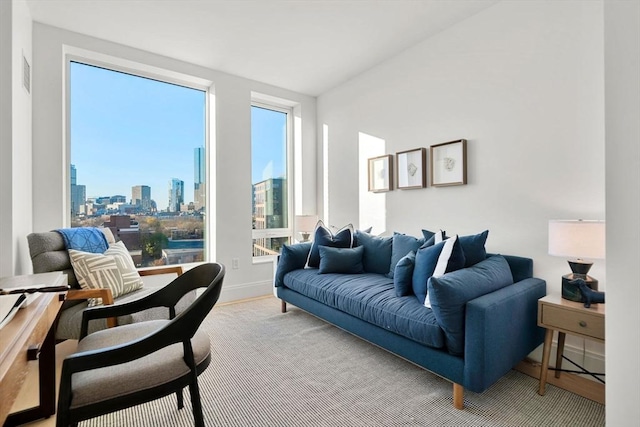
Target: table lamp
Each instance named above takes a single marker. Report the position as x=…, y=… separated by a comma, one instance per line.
x=577, y=239
x=305, y=224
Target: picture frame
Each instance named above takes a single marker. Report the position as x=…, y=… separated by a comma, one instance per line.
x=411, y=169
x=449, y=163
x=380, y=172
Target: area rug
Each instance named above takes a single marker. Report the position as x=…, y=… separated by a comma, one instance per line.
x=292, y=369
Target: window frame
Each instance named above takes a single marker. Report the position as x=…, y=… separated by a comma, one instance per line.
x=277, y=232
x=137, y=69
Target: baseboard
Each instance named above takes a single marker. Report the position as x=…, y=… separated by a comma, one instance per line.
x=245, y=291
x=571, y=382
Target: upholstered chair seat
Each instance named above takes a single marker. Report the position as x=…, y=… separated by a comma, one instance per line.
x=153, y=370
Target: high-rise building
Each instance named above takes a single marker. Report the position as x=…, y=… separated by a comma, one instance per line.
x=269, y=211
x=141, y=197
x=78, y=194
x=176, y=195
x=199, y=178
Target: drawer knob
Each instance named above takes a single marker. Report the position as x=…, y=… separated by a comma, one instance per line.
x=582, y=323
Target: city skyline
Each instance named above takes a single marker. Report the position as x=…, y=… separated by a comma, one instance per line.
x=128, y=130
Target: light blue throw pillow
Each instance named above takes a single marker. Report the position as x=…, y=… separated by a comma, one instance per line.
x=377, y=252
x=341, y=260
x=402, y=278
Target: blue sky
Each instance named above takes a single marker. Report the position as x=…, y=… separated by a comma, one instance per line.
x=128, y=130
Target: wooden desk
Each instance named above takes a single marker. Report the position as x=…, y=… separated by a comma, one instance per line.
x=29, y=336
x=567, y=317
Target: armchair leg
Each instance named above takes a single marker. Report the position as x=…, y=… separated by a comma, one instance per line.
x=180, y=398
x=198, y=417
x=283, y=306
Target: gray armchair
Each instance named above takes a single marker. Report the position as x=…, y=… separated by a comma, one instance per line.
x=48, y=253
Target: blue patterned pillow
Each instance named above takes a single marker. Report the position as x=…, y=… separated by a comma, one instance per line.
x=322, y=236
x=435, y=260
x=341, y=260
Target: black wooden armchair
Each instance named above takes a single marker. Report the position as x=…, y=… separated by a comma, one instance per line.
x=121, y=367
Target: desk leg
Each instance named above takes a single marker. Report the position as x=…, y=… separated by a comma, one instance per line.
x=559, y=353
x=47, y=383
x=544, y=367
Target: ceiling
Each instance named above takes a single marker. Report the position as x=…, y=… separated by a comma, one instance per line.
x=308, y=46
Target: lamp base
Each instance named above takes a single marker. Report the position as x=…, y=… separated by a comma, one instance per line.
x=572, y=292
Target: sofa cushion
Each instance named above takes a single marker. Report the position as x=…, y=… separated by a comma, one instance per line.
x=369, y=297
x=292, y=257
x=450, y=293
x=322, y=236
x=473, y=248
x=401, y=246
x=403, y=274
x=377, y=252
x=341, y=260
x=439, y=259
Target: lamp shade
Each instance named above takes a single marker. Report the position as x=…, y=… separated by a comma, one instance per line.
x=577, y=238
x=306, y=223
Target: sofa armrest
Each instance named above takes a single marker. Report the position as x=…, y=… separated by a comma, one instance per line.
x=500, y=330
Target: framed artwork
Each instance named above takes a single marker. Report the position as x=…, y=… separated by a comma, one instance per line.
x=449, y=163
x=381, y=173
x=411, y=169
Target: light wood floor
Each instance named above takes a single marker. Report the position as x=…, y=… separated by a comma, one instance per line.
x=28, y=396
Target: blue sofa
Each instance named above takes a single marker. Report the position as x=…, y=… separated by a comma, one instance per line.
x=482, y=320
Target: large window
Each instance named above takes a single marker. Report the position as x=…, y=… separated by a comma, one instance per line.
x=138, y=162
x=270, y=187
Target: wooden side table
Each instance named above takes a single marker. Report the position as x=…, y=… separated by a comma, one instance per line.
x=566, y=317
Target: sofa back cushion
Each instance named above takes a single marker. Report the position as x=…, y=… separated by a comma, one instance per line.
x=376, y=257
x=449, y=294
x=292, y=257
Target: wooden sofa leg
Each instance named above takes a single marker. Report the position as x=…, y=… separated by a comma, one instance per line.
x=283, y=306
x=458, y=396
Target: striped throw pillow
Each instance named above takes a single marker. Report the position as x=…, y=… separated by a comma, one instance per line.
x=112, y=270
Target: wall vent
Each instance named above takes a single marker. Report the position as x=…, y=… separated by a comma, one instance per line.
x=26, y=74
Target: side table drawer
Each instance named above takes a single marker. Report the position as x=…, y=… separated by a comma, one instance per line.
x=580, y=323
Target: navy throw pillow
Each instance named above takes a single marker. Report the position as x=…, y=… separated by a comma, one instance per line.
x=473, y=248
x=438, y=259
x=450, y=293
x=341, y=260
x=402, y=245
x=292, y=257
x=377, y=252
x=403, y=275
x=355, y=235
x=322, y=236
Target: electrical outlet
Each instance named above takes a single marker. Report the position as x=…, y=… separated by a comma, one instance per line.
x=235, y=263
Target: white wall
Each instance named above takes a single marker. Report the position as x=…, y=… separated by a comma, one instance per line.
x=15, y=138
x=232, y=148
x=622, y=84
x=523, y=82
